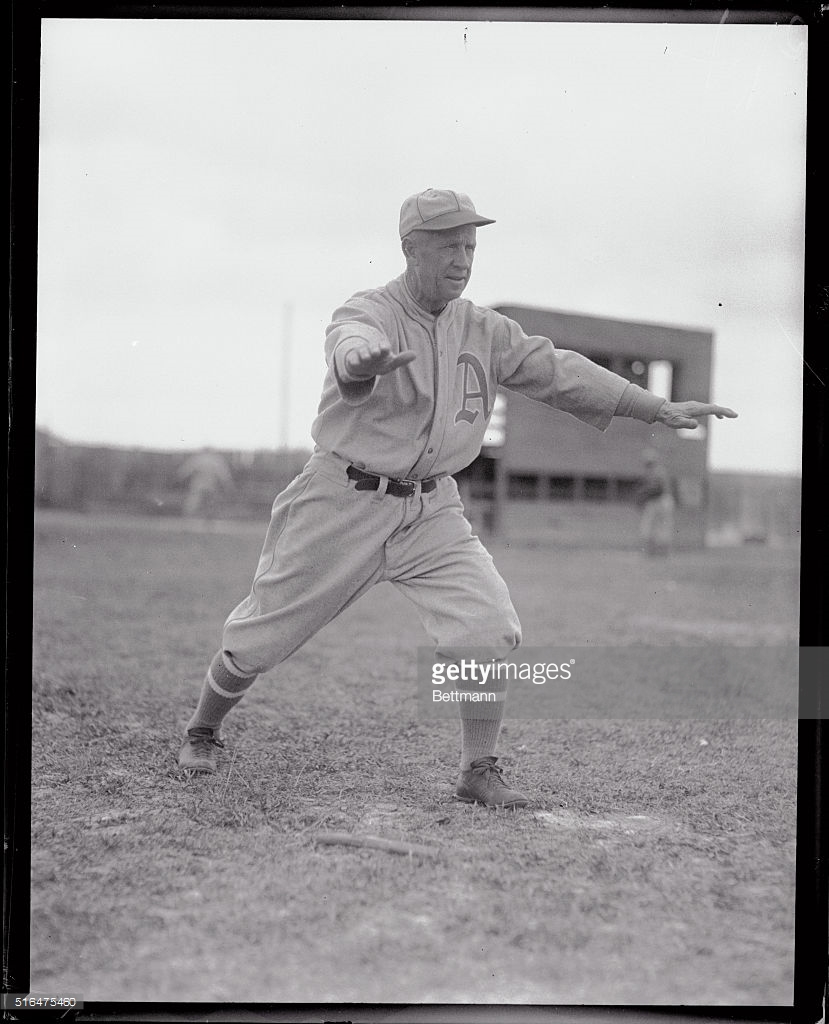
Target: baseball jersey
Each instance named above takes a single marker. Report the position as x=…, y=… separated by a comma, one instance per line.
x=429, y=417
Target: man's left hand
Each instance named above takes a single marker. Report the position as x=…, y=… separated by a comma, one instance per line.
x=686, y=414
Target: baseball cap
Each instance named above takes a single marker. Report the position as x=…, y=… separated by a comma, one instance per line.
x=437, y=209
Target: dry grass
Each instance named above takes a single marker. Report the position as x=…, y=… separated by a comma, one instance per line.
x=653, y=868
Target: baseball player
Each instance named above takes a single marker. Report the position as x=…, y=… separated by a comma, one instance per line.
x=412, y=373
x=655, y=495
x=206, y=474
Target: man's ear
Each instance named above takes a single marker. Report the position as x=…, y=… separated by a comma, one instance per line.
x=409, y=248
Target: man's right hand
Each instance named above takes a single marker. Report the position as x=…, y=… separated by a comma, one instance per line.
x=369, y=359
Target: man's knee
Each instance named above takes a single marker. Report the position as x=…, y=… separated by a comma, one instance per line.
x=505, y=628
x=511, y=634
x=503, y=632
x=246, y=665
x=486, y=641
x=251, y=649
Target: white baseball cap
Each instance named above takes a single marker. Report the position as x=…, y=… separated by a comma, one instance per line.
x=437, y=209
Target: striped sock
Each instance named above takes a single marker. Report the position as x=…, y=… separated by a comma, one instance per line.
x=480, y=726
x=223, y=688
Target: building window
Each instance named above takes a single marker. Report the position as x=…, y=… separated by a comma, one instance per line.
x=661, y=378
x=634, y=370
x=626, y=490
x=496, y=431
x=562, y=488
x=656, y=375
x=523, y=485
x=596, y=488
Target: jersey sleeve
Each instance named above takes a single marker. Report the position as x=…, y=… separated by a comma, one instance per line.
x=566, y=380
x=353, y=322
x=638, y=404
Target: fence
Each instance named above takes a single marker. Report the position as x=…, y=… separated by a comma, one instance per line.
x=742, y=507
x=90, y=479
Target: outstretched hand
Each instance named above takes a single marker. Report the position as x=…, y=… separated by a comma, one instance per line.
x=374, y=358
x=686, y=415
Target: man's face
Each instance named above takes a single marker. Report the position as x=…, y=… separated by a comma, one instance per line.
x=440, y=264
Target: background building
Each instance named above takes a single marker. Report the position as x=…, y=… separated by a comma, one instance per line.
x=543, y=476
x=547, y=472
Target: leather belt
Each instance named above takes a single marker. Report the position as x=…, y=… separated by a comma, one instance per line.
x=398, y=488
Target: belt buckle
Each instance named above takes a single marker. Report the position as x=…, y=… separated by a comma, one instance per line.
x=410, y=486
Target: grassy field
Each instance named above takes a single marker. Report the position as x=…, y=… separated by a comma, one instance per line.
x=655, y=866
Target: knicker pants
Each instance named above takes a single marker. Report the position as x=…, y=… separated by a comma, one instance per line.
x=327, y=543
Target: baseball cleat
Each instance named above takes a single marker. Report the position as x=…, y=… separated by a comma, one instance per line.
x=483, y=784
x=200, y=750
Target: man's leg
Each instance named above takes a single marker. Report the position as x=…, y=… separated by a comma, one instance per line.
x=324, y=547
x=465, y=607
x=222, y=689
x=647, y=526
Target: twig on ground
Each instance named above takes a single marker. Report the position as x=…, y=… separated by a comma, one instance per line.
x=229, y=773
x=375, y=843
x=314, y=824
x=303, y=766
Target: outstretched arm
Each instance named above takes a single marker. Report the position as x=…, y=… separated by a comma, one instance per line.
x=373, y=358
x=687, y=414
x=358, y=349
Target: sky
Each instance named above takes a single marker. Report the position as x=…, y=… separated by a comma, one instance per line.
x=211, y=190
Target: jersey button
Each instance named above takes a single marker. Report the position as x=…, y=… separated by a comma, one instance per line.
x=429, y=451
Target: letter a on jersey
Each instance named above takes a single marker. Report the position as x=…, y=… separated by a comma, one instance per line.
x=472, y=365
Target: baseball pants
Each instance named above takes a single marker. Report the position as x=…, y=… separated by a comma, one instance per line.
x=328, y=543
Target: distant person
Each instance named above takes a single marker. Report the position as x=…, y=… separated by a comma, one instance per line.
x=206, y=474
x=413, y=371
x=655, y=495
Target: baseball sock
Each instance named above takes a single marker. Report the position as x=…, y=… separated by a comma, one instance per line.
x=480, y=726
x=223, y=689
